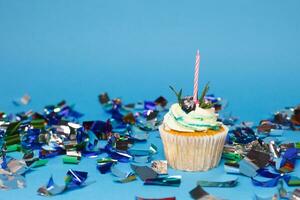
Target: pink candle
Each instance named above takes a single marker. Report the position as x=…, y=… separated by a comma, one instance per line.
x=196, y=77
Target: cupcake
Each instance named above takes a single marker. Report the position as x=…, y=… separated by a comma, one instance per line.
x=192, y=137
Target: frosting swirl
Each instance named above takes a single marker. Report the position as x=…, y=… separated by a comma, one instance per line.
x=197, y=120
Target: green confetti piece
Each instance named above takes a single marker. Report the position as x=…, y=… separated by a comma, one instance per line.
x=13, y=128
x=14, y=147
x=294, y=181
x=68, y=179
x=38, y=123
x=70, y=160
x=39, y=163
x=232, y=156
x=12, y=139
x=297, y=145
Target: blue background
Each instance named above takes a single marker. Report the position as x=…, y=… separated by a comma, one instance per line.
x=73, y=50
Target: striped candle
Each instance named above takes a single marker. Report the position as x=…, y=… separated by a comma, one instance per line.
x=196, y=77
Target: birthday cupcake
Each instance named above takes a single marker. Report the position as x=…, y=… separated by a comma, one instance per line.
x=192, y=137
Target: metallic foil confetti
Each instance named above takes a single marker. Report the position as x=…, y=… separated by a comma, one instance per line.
x=103, y=98
x=129, y=118
x=73, y=180
x=248, y=168
x=70, y=160
x=283, y=194
x=232, y=169
x=122, y=177
x=295, y=195
x=229, y=183
x=274, y=150
x=58, y=131
x=104, y=167
x=24, y=100
x=73, y=153
x=51, y=189
x=288, y=160
x=143, y=152
x=144, y=172
x=141, y=159
x=274, y=178
x=243, y=135
x=139, y=137
x=160, y=166
x=161, y=101
x=266, y=126
x=232, y=156
x=164, y=181
x=15, y=166
x=9, y=182
x=39, y=163
x=293, y=181
x=199, y=194
x=11, y=173
x=259, y=158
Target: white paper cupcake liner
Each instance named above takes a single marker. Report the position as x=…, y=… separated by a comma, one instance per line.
x=193, y=153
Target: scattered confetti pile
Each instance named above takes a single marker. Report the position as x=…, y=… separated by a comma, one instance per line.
x=250, y=150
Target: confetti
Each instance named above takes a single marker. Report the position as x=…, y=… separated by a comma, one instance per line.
x=24, y=100
x=70, y=160
x=164, y=181
x=122, y=177
x=199, y=194
x=160, y=166
x=59, y=131
x=144, y=172
x=73, y=180
x=229, y=183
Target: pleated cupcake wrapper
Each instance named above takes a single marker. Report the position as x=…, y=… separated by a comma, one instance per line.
x=193, y=153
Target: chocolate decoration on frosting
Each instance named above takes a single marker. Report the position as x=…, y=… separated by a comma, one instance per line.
x=188, y=104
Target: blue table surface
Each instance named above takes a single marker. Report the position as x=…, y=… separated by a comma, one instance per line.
x=135, y=49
